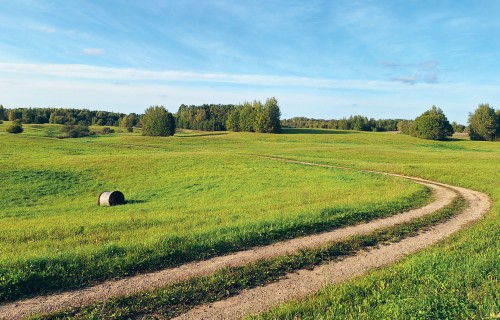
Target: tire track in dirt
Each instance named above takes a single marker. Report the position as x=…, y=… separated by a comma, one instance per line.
x=443, y=194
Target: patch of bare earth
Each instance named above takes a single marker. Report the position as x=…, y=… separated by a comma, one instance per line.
x=296, y=285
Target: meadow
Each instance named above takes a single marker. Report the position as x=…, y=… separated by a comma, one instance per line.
x=455, y=279
x=197, y=195
x=190, y=197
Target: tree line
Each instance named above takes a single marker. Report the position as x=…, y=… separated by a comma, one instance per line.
x=484, y=123
x=61, y=116
x=253, y=117
x=357, y=122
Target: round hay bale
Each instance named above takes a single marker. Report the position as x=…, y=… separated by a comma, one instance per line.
x=110, y=198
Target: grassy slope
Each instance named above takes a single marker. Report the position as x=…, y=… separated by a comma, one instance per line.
x=191, y=196
x=457, y=279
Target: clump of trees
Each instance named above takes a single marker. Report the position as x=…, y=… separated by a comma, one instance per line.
x=15, y=127
x=432, y=125
x=255, y=117
x=129, y=122
x=207, y=117
x=251, y=117
x=484, y=123
x=157, y=121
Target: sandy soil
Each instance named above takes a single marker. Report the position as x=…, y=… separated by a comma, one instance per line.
x=296, y=285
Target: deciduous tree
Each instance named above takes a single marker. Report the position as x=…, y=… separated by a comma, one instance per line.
x=157, y=121
x=432, y=125
x=484, y=123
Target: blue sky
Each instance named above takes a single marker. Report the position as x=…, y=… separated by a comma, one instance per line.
x=321, y=59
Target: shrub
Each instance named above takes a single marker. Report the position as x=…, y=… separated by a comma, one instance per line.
x=15, y=128
x=405, y=126
x=107, y=130
x=157, y=121
x=432, y=125
x=484, y=123
x=77, y=131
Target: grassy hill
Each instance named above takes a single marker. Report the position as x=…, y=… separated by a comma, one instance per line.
x=196, y=195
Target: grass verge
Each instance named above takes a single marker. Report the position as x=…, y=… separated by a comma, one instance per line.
x=176, y=299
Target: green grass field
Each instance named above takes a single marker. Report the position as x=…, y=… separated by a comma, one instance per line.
x=197, y=195
x=457, y=279
x=191, y=196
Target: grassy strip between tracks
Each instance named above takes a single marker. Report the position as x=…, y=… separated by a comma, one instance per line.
x=178, y=298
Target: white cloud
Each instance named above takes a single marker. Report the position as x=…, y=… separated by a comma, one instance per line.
x=78, y=72
x=93, y=51
x=104, y=88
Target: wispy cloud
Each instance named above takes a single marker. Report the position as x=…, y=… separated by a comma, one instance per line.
x=423, y=71
x=104, y=88
x=93, y=51
x=43, y=29
x=407, y=79
x=78, y=72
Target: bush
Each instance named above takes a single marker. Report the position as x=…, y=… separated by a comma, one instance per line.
x=484, y=123
x=458, y=127
x=77, y=131
x=15, y=128
x=405, y=126
x=432, y=125
x=157, y=121
x=107, y=130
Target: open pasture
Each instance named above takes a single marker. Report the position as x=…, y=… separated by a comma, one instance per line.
x=457, y=279
x=190, y=196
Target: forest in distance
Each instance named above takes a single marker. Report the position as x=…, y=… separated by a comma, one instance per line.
x=484, y=123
